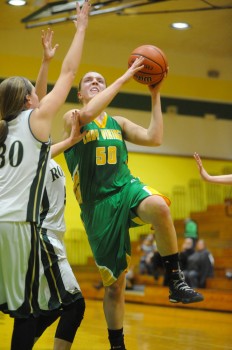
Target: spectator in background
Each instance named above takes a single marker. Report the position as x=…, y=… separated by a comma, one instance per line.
x=200, y=266
x=186, y=250
x=151, y=262
x=148, y=247
x=130, y=278
x=191, y=230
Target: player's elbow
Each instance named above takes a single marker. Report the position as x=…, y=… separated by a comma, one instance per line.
x=155, y=144
x=159, y=140
x=85, y=117
x=156, y=141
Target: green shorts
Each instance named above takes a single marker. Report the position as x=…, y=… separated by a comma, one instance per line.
x=107, y=224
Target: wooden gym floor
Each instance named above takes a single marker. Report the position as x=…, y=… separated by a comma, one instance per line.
x=146, y=328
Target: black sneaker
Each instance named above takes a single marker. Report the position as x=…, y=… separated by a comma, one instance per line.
x=179, y=291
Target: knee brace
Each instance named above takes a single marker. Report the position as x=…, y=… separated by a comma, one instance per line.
x=43, y=322
x=70, y=320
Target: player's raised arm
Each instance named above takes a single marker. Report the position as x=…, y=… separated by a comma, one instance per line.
x=49, y=105
x=220, y=179
x=48, y=53
x=100, y=101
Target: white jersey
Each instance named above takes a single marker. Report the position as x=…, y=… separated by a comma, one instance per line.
x=54, y=198
x=23, y=164
x=58, y=285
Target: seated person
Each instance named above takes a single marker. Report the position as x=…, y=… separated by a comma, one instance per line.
x=187, y=249
x=151, y=262
x=200, y=266
x=148, y=247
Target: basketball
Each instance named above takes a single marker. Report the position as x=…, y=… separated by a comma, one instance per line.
x=155, y=64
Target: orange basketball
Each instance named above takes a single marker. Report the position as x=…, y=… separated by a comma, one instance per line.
x=155, y=64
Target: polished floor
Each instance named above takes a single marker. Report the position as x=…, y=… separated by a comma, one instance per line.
x=146, y=328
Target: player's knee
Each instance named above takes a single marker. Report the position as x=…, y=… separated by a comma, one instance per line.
x=43, y=322
x=161, y=208
x=70, y=320
x=115, y=290
x=79, y=311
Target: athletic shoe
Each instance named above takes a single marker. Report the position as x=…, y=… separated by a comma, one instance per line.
x=179, y=291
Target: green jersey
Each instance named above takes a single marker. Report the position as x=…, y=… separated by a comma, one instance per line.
x=98, y=163
x=108, y=195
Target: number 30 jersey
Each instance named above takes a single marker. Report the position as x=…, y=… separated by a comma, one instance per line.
x=23, y=167
x=98, y=163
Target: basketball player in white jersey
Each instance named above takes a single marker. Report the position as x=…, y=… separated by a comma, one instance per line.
x=25, y=125
x=58, y=286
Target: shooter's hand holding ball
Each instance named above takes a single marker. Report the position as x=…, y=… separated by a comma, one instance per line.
x=155, y=64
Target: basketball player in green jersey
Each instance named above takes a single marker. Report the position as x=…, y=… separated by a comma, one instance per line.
x=112, y=200
x=67, y=294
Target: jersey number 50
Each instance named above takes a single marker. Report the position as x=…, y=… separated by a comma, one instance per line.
x=106, y=155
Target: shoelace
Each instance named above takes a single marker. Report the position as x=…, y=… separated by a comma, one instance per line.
x=181, y=285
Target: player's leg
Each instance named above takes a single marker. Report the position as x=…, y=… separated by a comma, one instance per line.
x=155, y=210
x=113, y=305
x=60, y=344
x=23, y=333
x=43, y=322
x=69, y=322
x=106, y=224
x=58, y=283
x=19, y=278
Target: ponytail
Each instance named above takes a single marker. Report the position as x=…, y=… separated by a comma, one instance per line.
x=3, y=131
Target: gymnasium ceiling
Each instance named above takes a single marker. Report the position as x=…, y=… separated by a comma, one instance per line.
x=203, y=53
